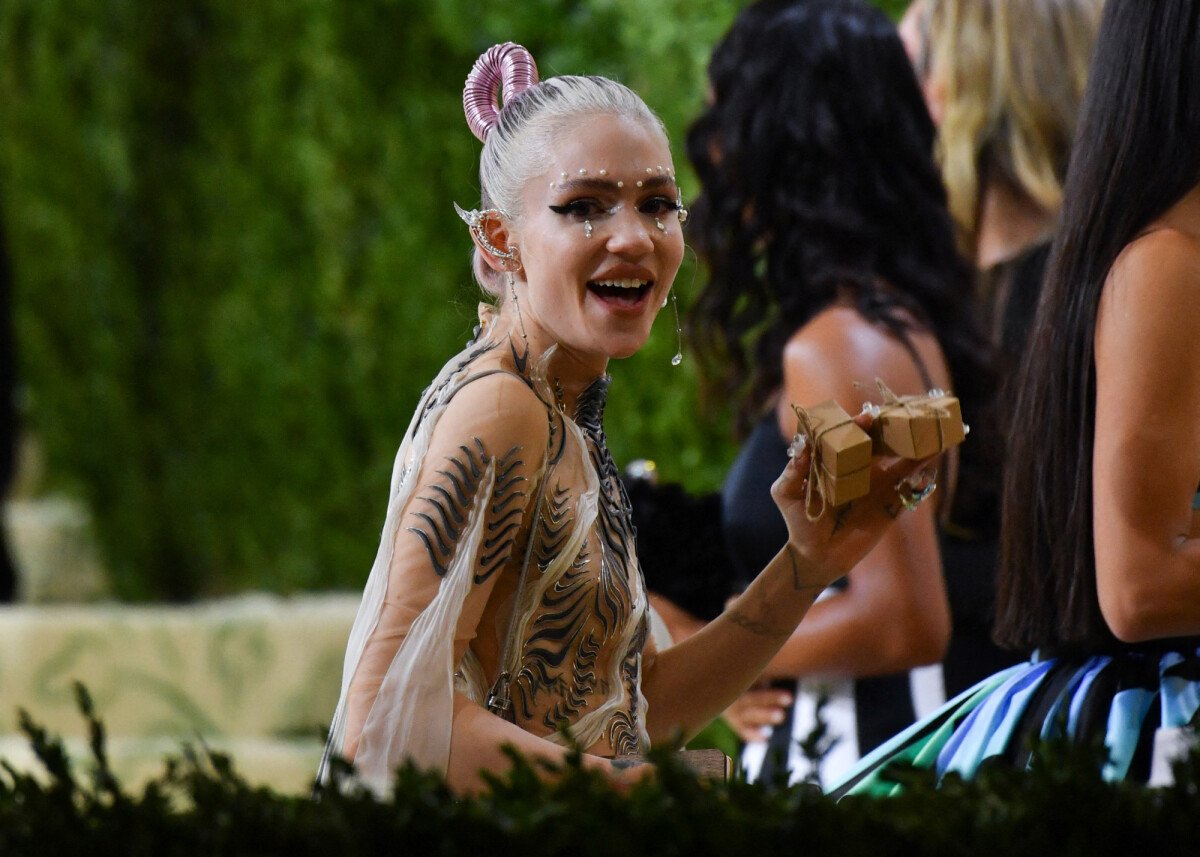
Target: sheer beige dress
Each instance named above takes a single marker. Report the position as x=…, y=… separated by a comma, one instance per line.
x=506, y=573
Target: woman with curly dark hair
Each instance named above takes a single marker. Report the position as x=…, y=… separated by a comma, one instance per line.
x=823, y=223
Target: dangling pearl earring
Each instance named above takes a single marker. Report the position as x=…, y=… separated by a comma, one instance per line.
x=678, y=358
x=512, y=290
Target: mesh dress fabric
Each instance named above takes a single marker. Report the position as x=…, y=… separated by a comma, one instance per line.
x=566, y=612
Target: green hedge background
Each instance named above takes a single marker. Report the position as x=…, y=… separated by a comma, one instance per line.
x=200, y=805
x=237, y=264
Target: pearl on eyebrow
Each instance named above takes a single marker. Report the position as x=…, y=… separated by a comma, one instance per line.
x=603, y=173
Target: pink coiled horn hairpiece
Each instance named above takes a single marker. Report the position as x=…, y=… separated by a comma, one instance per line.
x=506, y=69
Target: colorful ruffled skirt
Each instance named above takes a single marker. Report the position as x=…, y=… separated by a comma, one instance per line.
x=1139, y=702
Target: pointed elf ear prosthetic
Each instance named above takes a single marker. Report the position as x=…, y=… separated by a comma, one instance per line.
x=490, y=234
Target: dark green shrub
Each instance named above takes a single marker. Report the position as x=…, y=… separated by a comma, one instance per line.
x=200, y=805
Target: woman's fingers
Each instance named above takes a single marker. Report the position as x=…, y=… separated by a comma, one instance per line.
x=865, y=420
x=843, y=535
x=756, y=711
x=902, y=468
x=793, y=481
x=903, y=485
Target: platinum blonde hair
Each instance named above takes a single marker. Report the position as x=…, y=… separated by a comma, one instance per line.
x=1014, y=73
x=517, y=147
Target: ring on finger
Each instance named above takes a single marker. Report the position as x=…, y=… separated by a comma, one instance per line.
x=914, y=490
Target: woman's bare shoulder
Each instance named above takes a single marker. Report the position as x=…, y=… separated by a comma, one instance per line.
x=500, y=410
x=849, y=352
x=1153, y=286
x=1162, y=262
x=838, y=336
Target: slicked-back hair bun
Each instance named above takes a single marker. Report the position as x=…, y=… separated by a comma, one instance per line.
x=503, y=71
x=519, y=131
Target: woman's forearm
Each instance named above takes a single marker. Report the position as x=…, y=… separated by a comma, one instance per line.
x=479, y=738
x=837, y=637
x=892, y=615
x=1151, y=591
x=689, y=684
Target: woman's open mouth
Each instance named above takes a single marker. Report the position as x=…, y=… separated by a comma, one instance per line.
x=624, y=293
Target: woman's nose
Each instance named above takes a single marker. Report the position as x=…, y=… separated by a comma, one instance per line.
x=629, y=233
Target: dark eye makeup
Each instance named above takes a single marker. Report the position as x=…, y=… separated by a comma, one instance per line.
x=582, y=209
x=659, y=205
x=579, y=208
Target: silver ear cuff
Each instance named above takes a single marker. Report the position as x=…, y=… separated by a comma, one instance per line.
x=474, y=220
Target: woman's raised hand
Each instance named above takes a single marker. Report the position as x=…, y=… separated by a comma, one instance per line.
x=842, y=536
x=753, y=714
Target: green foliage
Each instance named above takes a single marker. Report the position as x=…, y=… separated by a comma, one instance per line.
x=895, y=8
x=201, y=805
x=237, y=264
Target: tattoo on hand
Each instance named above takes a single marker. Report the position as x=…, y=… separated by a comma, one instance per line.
x=813, y=589
x=839, y=517
x=757, y=627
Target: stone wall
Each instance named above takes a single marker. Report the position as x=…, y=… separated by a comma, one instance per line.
x=257, y=676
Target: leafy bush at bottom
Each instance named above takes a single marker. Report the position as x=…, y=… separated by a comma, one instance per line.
x=200, y=805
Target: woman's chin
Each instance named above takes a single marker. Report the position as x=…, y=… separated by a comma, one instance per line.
x=624, y=347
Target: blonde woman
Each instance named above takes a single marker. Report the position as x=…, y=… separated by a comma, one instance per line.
x=1003, y=80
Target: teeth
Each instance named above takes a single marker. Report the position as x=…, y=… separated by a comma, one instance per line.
x=622, y=284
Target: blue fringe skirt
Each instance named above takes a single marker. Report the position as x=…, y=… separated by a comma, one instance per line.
x=1124, y=700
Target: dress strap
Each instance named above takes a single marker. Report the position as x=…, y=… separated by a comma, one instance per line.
x=922, y=369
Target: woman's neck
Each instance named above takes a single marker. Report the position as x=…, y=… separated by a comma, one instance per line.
x=568, y=372
x=1009, y=222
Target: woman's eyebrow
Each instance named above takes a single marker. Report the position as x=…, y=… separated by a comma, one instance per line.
x=610, y=185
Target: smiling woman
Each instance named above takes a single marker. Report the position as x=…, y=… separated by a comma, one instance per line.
x=506, y=601
x=600, y=240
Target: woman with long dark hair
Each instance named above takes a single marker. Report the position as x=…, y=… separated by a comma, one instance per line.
x=832, y=261
x=1100, y=568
